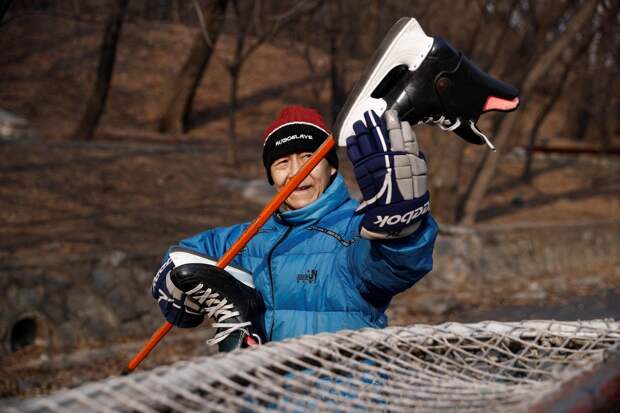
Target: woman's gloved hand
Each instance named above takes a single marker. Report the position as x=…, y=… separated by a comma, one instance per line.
x=392, y=176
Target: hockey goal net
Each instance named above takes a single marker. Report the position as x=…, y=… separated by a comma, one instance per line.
x=487, y=366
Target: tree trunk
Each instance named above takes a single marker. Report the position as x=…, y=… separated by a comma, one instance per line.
x=249, y=19
x=445, y=161
x=335, y=79
x=4, y=7
x=96, y=102
x=315, y=82
x=242, y=17
x=183, y=89
x=338, y=94
x=578, y=116
x=538, y=71
x=542, y=115
x=235, y=71
x=568, y=68
x=447, y=158
x=368, y=36
x=500, y=41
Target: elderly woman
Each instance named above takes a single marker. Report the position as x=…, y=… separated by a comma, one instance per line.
x=323, y=262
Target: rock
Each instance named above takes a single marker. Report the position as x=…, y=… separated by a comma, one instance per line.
x=105, y=274
x=92, y=313
x=438, y=305
x=142, y=278
x=13, y=127
x=103, y=279
x=129, y=304
x=21, y=298
x=116, y=258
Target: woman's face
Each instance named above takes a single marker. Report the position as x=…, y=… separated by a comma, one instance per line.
x=311, y=188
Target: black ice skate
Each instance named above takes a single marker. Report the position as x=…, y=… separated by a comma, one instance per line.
x=450, y=91
x=425, y=80
x=227, y=296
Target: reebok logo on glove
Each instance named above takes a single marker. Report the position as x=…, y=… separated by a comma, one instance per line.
x=405, y=219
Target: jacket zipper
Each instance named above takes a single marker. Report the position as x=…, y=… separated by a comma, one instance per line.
x=273, y=292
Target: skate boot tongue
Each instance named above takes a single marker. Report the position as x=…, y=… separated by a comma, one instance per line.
x=497, y=103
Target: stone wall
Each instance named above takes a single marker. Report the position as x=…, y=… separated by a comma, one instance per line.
x=489, y=254
x=58, y=305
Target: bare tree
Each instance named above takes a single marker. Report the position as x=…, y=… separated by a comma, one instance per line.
x=182, y=90
x=569, y=65
x=255, y=23
x=96, y=102
x=538, y=70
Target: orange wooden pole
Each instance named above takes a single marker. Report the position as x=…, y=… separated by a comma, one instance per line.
x=148, y=347
x=247, y=235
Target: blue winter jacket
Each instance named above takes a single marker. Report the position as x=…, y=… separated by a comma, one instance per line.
x=315, y=273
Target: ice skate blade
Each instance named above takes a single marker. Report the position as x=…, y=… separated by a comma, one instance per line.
x=405, y=44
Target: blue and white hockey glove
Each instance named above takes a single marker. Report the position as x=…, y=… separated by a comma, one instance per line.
x=175, y=305
x=391, y=173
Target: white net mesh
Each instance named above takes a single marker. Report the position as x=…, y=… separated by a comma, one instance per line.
x=487, y=366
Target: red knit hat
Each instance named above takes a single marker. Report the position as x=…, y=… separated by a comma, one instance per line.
x=296, y=129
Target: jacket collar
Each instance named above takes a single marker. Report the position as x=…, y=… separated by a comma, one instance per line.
x=335, y=195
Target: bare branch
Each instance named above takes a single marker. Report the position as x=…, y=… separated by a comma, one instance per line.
x=203, y=26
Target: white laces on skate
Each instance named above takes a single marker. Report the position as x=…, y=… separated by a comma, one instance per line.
x=473, y=127
x=447, y=125
x=218, y=309
x=443, y=122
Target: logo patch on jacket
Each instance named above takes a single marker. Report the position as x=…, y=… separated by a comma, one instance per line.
x=307, y=277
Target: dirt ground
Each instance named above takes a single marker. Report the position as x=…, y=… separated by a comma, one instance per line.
x=63, y=201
